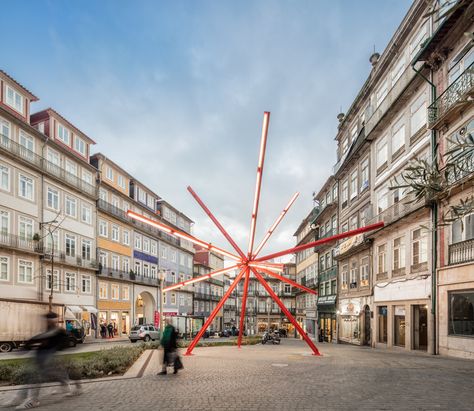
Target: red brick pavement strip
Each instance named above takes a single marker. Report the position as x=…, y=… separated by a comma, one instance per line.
x=286, y=378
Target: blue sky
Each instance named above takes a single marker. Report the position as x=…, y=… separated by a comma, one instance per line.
x=175, y=91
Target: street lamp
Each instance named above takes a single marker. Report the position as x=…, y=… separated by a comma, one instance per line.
x=161, y=276
x=50, y=232
x=269, y=305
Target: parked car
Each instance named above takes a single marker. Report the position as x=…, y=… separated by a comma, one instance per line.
x=76, y=332
x=205, y=335
x=144, y=333
x=225, y=333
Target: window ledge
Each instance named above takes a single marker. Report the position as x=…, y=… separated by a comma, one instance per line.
x=382, y=168
x=398, y=153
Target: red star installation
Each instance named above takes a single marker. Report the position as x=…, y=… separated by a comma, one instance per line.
x=248, y=263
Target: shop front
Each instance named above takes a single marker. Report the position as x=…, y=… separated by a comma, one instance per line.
x=327, y=318
x=349, y=321
x=311, y=323
x=116, y=313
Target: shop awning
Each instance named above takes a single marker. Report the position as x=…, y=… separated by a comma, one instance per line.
x=90, y=309
x=328, y=300
x=74, y=308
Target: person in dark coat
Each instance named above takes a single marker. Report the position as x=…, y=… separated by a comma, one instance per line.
x=170, y=349
x=103, y=330
x=110, y=329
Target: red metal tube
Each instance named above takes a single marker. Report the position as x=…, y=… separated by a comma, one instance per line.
x=286, y=312
x=243, y=307
x=322, y=241
x=214, y=313
x=217, y=223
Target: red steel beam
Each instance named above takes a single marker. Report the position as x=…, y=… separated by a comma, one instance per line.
x=287, y=280
x=214, y=313
x=243, y=307
x=167, y=229
x=275, y=224
x=258, y=184
x=286, y=312
x=201, y=278
x=322, y=241
x=217, y=223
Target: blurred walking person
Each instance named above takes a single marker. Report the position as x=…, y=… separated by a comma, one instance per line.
x=47, y=369
x=170, y=349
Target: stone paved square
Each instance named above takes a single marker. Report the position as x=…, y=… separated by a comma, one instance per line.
x=287, y=377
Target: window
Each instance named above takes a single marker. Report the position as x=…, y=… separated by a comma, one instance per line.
x=398, y=69
x=103, y=194
x=173, y=298
x=103, y=290
x=154, y=247
x=163, y=252
x=70, y=282
x=49, y=241
x=382, y=92
x=52, y=280
x=115, y=291
x=345, y=227
x=86, y=177
x=4, y=178
x=4, y=269
x=64, y=134
x=153, y=271
x=115, y=233
x=70, y=245
x=364, y=271
x=353, y=274
x=126, y=206
x=28, y=144
x=364, y=175
x=71, y=209
x=86, y=214
x=461, y=313
x=126, y=237
x=461, y=62
x=146, y=244
x=103, y=259
x=86, y=284
x=344, y=272
x=353, y=222
x=80, y=146
x=115, y=201
x=398, y=137
x=173, y=256
x=345, y=193
x=381, y=255
x=399, y=253
x=125, y=264
x=382, y=199
x=418, y=115
x=15, y=100
x=354, y=184
x=86, y=246
x=25, y=271
x=334, y=192
x=125, y=292
x=4, y=222
x=146, y=270
x=141, y=196
x=26, y=187
x=150, y=202
x=53, y=157
x=121, y=182
x=419, y=247
x=109, y=173
x=382, y=153
x=138, y=241
x=138, y=268
x=345, y=145
x=417, y=41
x=53, y=198
x=25, y=228
x=287, y=288
x=103, y=228
x=71, y=168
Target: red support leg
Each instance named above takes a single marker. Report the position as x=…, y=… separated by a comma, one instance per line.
x=243, y=307
x=286, y=312
x=287, y=280
x=214, y=313
x=216, y=222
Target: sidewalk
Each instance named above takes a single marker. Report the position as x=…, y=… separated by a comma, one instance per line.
x=93, y=340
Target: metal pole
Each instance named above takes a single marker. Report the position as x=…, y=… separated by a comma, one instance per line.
x=269, y=304
x=243, y=307
x=161, y=303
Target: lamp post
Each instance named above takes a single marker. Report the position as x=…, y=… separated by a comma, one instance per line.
x=50, y=232
x=161, y=274
x=269, y=305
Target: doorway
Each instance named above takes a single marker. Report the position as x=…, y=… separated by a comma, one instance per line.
x=420, y=327
x=367, y=330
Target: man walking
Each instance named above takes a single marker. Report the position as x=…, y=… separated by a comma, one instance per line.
x=170, y=346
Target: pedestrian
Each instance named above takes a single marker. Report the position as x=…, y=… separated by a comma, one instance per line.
x=110, y=329
x=47, y=369
x=103, y=330
x=170, y=349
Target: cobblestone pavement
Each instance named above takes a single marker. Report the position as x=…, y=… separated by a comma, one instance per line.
x=287, y=377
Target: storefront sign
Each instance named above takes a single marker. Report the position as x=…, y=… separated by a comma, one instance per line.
x=170, y=314
x=350, y=308
x=145, y=257
x=351, y=242
x=157, y=319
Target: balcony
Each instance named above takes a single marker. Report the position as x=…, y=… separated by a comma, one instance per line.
x=328, y=274
x=462, y=252
x=61, y=257
x=18, y=243
x=122, y=215
x=312, y=282
x=128, y=276
x=47, y=167
x=397, y=211
x=456, y=96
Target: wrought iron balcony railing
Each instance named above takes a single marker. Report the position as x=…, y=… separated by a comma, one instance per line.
x=46, y=166
x=397, y=211
x=20, y=243
x=328, y=274
x=462, y=252
x=457, y=93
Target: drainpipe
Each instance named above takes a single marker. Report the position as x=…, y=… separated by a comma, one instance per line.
x=434, y=221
